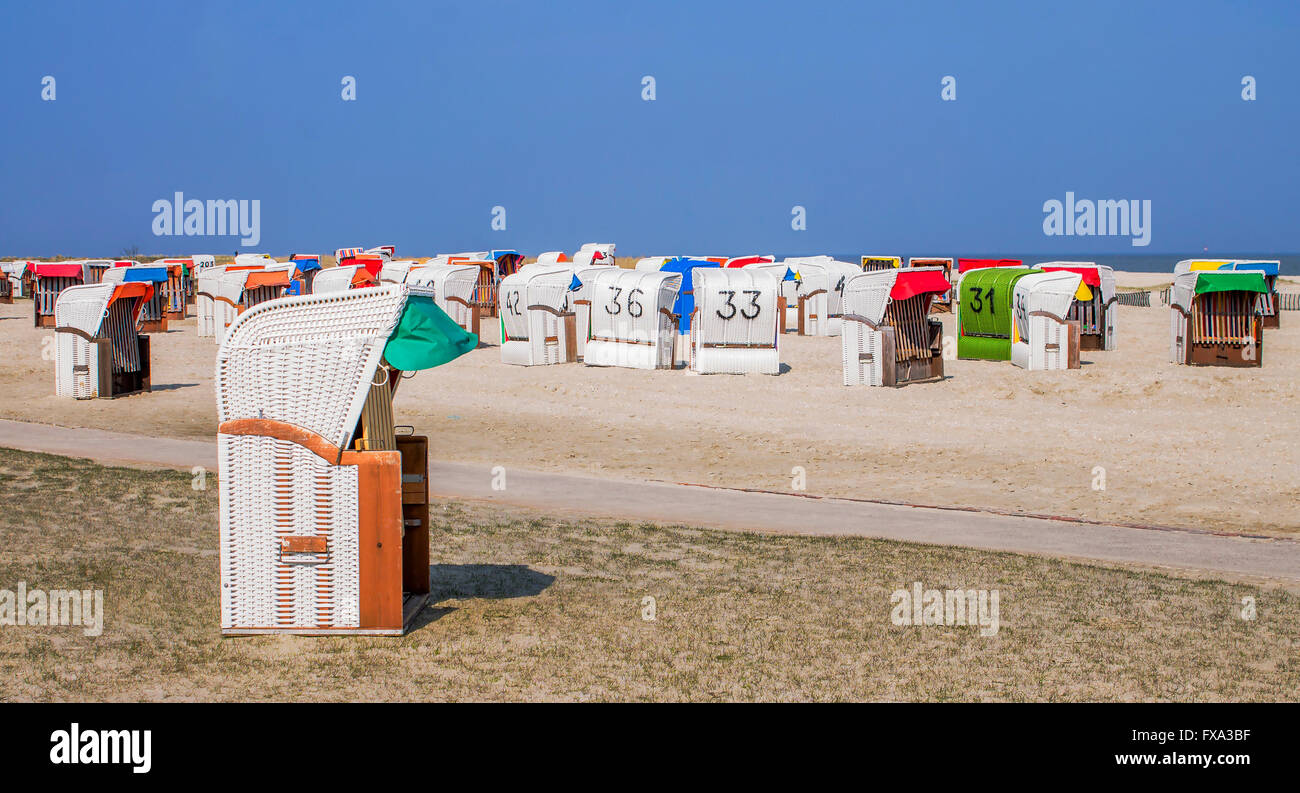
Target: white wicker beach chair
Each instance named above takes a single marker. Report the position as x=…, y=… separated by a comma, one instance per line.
x=887, y=336
x=734, y=330
x=95, y=269
x=872, y=263
x=336, y=279
x=538, y=325
x=453, y=287
x=1043, y=337
x=13, y=273
x=226, y=301
x=632, y=322
x=323, y=506
x=1095, y=315
x=205, y=307
x=98, y=352
x=49, y=280
x=396, y=270
x=595, y=254
x=651, y=263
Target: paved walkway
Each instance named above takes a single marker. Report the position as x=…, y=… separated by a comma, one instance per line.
x=737, y=509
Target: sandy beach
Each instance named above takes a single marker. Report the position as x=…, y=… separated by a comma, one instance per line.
x=1196, y=447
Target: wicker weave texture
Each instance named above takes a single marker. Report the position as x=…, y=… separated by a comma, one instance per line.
x=307, y=360
x=272, y=489
x=628, y=325
x=530, y=303
x=76, y=362
x=861, y=348
x=735, y=330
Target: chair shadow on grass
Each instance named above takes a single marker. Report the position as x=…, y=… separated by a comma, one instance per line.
x=465, y=581
x=497, y=581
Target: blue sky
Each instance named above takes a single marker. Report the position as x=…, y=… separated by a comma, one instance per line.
x=537, y=107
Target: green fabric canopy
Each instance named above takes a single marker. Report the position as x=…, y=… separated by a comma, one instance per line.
x=426, y=337
x=1230, y=281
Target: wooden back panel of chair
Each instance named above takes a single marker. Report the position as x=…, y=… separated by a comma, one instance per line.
x=1089, y=313
x=911, y=322
x=1223, y=318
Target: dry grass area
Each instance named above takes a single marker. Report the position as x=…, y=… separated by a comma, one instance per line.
x=532, y=608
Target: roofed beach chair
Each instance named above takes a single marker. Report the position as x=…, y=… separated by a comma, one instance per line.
x=887, y=337
x=1044, y=337
x=305, y=268
x=985, y=320
x=207, y=288
x=809, y=295
x=494, y=265
x=342, y=278
x=942, y=303
x=596, y=254
x=1269, y=268
x=94, y=269
x=201, y=262
x=1216, y=318
x=735, y=324
x=538, y=326
x=632, y=319
x=324, y=513
x=173, y=293
x=395, y=271
x=1094, y=308
x=16, y=276
x=873, y=263
x=153, y=315
x=453, y=287
x=98, y=353
x=48, y=280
